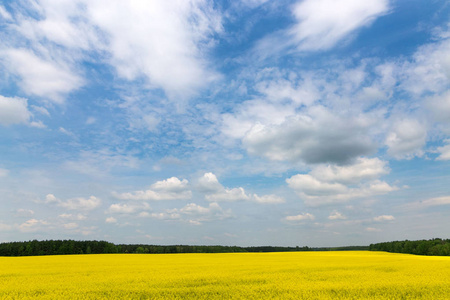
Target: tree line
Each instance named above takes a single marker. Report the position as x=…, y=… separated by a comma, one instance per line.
x=421, y=247
x=60, y=247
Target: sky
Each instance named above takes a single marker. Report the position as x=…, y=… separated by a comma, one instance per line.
x=247, y=122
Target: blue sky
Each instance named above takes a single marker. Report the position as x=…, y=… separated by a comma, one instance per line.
x=251, y=122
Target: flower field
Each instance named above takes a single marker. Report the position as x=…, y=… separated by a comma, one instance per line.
x=289, y=275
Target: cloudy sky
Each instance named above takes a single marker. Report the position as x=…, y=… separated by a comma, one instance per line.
x=250, y=122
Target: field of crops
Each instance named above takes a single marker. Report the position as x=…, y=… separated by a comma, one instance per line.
x=293, y=275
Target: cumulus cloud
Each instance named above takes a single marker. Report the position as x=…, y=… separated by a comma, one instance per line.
x=406, y=139
x=127, y=208
x=268, y=199
x=234, y=194
x=320, y=137
x=313, y=187
x=300, y=217
x=363, y=169
x=169, y=189
x=13, y=111
x=209, y=185
x=336, y=216
x=384, y=218
x=332, y=183
x=80, y=203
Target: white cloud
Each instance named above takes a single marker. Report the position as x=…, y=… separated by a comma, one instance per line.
x=41, y=77
x=195, y=214
x=78, y=217
x=5, y=14
x=372, y=229
x=65, y=131
x=70, y=226
x=429, y=70
x=333, y=183
x=4, y=172
x=439, y=104
x=321, y=24
x=163, y=41
x=169, y=189
x=317, y=137
x=437, y=201
x=444, y=153
x=50, y=198
x=162, y=215
x=300, y=217
x=209, y=185
x=13, y=111
x=191, y=213
x=384, y=218
x=311, y=186
x=126, y=208
x=111, y=220
x=336, y=216
x=90, y=120
x=406, y=139
x=75, y=203
x=268, y=199
x=37, y=124
x=81, y=203
x=33, y=225
x=362, y=169
x=235, y=194
x=445, y=200
x=123, y=208
x=41, y=110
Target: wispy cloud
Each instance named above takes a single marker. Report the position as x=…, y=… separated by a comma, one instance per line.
x=318, y=27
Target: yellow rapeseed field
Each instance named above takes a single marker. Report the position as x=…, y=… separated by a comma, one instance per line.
x=294, y=275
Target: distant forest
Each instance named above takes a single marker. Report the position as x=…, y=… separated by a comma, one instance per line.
x=422, y=247
x=60, y=247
